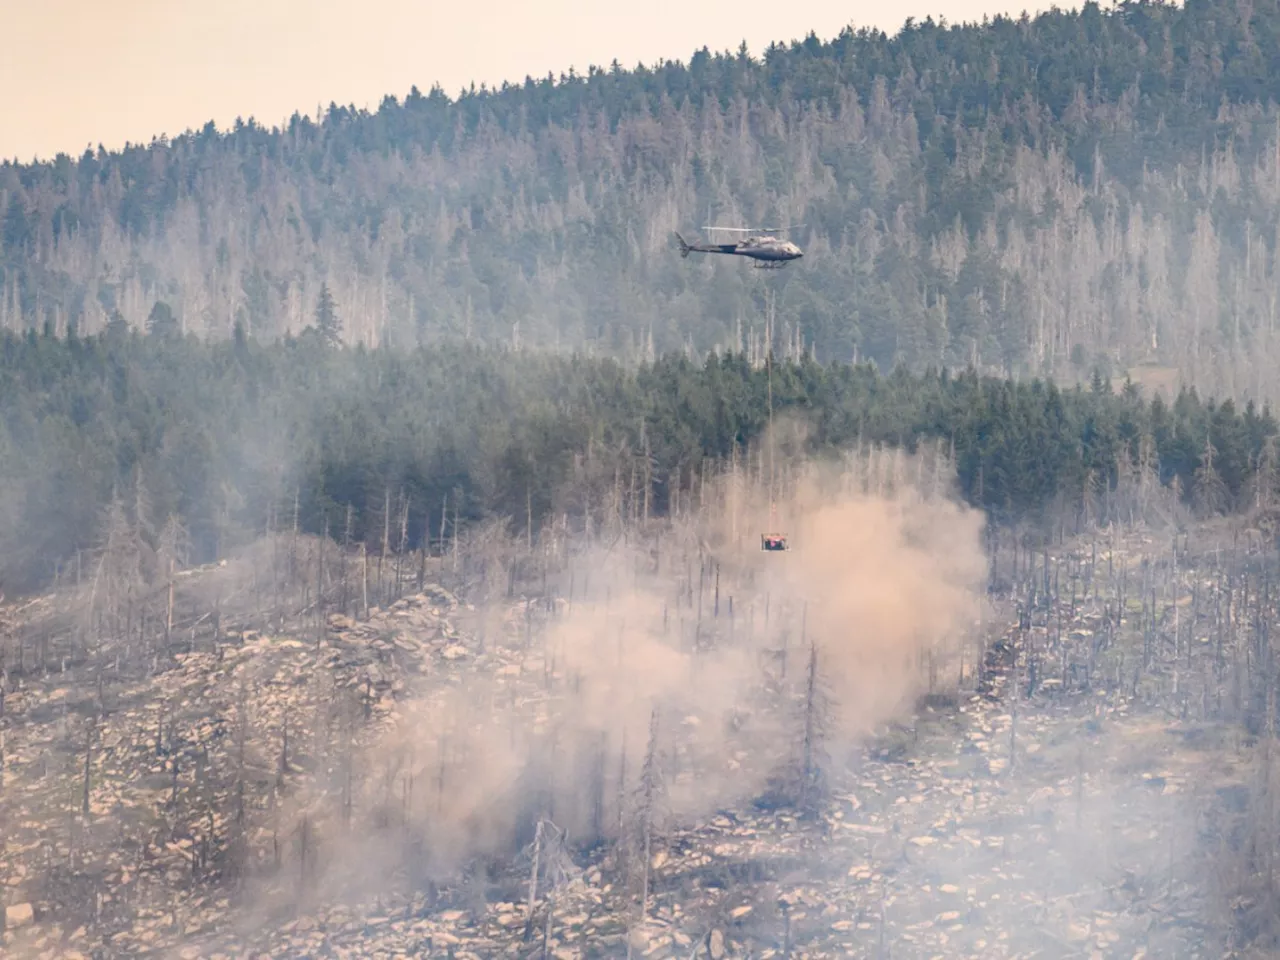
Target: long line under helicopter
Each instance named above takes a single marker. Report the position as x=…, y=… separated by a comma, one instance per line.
x=772, y=542
x=768, y=251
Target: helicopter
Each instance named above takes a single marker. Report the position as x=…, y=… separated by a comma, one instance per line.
x=768, y=252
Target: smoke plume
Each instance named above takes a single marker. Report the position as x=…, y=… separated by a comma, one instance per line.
x=669, y=679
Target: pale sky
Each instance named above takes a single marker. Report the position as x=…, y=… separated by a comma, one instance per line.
x=80, y=72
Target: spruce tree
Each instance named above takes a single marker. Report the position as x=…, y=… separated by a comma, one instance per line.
x=328, y=325
x=162, y=322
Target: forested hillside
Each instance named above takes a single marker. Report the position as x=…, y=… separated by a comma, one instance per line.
x=1034, y=196
x=218, y=443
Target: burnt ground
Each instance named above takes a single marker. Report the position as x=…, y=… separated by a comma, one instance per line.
x=1052, y=822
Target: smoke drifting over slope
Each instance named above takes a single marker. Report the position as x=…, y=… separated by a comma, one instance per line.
x=669, y=680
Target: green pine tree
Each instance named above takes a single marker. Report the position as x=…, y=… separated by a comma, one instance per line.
x=161, y=321
x=328, y=324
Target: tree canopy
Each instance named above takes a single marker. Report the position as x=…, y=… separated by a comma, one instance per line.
x=230, y=438
x=1033, y=196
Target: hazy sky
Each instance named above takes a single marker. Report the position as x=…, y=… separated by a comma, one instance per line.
x=81, y=72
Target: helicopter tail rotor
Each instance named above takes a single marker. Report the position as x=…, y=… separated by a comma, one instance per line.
x=684, y=247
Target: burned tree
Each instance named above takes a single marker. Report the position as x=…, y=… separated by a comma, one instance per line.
x=802, y=782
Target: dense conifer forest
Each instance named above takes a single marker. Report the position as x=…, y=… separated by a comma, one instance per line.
x=1035, y=197
x=235, y=438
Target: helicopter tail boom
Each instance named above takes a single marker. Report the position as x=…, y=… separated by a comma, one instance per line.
x=686, y=248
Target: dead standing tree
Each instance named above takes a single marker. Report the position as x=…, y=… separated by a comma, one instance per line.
x=816, y=716
x=648, y=808
x=551, y=864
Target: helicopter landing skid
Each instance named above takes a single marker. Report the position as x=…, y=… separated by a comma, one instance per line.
x=766, y=265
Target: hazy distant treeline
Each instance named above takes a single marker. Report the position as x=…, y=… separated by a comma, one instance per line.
x=235, y=437
x=1032, y=196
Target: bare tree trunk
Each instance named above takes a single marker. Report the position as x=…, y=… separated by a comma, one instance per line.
x=168, y=619
x=283, y=766
x=320, y=610
x=386, y=540
x=88, y=765
x=293, y=546
x=455, y=534
x=346, y=551
x=533, y=879
x=404, y=546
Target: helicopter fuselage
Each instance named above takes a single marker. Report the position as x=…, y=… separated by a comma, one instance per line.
x=765, y=249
